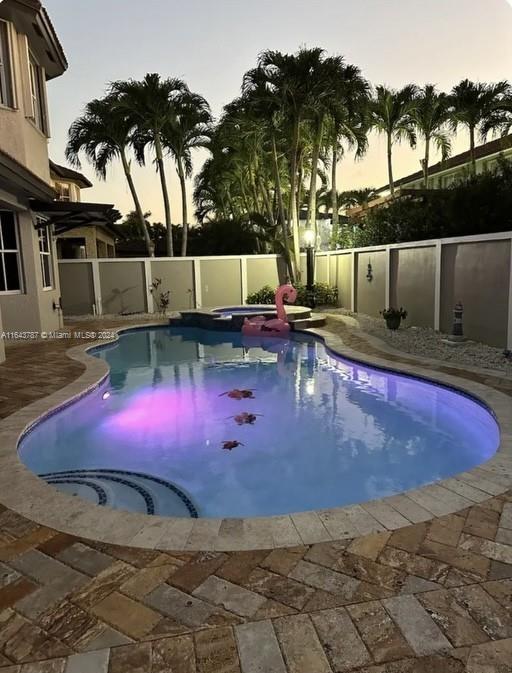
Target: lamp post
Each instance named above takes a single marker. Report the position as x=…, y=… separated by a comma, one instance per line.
x=309, y=240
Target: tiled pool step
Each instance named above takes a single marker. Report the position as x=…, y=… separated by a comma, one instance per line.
x=123, y=489
x=299, y=317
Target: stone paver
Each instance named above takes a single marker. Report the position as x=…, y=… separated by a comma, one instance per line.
x=421, y=632
x=347, y=596
x=301, y=647
x=90, y=662
x=230, y=596
x=340, y=639
x=380, y=634
x=258, y=648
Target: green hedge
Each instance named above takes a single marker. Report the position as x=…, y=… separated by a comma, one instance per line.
x=325, y=295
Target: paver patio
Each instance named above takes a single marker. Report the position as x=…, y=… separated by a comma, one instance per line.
x=433, y=597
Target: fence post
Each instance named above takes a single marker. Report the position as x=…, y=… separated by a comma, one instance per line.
x=387, y=291
x=150, y=307
x=509, y=331
x=353, y=293
x=198, y=298
x=243, y=278
x=96, y=286
x=437, y=286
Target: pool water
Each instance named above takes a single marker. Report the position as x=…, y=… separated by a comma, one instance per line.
x=314, y=431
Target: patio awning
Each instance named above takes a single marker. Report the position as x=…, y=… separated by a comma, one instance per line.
x=66, y=215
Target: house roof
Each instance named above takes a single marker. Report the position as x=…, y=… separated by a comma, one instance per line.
x=31, y=19
x=15, y=177
x=67, y=215
x=59, y=172
x=481, y=151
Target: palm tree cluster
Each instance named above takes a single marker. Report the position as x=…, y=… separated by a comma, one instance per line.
x=276, y=149
x=154, y=116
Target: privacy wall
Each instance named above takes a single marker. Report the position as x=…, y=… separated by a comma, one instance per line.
x=427, y=278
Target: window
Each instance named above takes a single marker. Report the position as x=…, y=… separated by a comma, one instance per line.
x=6, y=92
x=63, y=191
x=45, y=255
x=36, y=93
x=10, y=277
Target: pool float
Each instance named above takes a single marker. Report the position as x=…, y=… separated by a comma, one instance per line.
x=260, y=326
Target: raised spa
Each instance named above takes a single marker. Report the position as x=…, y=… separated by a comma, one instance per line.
x=199, y=423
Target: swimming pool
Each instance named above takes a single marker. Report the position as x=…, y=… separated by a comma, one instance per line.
x=302, y=429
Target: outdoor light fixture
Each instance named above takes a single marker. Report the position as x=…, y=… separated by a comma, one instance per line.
x=309, y=237
x=309, y=240
x=369, y=273
x=105, y=395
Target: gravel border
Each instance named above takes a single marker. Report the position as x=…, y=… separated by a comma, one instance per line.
x=427, y=343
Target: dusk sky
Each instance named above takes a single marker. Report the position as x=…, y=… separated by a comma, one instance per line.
x=210, y=44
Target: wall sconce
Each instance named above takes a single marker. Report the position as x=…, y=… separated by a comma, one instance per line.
x=369, y=273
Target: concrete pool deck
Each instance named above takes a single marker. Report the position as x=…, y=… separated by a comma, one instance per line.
x=431, y=595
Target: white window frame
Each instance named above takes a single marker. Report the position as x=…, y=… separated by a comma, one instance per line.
x=60, y=187
x=17, y=250
x=6, y=74
x=44, y=239
x=37, y=99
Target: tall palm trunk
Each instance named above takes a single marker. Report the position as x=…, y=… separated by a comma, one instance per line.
x=426, y=161
x=300, y=184
x=266, y=200
x=292, y=215
x=334, y=192
x=184, y=207
x=472, y=149
x=280, y=209
x=253, y=189
x=150, y=247
x=165, y=194
x=390, y=165
x=314, y=174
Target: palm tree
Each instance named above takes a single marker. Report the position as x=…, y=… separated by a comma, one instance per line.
x=265, y=106
x=390, y=113
x=151, y=105
x=187, y=130
x=294, y=81
x=473, y=105
x=349, y=126
x=103, y=134
x=431, y=116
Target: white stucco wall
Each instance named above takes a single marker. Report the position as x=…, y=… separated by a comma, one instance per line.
x=2, y=347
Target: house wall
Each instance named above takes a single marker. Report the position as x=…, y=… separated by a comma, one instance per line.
x=2, y=347
x=19, y=136
x=32, y=309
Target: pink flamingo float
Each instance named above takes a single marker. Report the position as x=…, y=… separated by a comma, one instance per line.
x=260, y=326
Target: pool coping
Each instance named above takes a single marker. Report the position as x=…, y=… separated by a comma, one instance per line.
x=28, y=495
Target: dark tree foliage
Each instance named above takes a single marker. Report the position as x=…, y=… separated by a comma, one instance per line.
x=477, y=205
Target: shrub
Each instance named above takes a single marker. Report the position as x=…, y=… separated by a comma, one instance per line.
x=476, y=205
x=263, y=296
x=325, y=295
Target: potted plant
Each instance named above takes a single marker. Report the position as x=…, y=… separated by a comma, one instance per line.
x=393, y=317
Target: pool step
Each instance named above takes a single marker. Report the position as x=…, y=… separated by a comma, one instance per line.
x=123, y=489
x=316, y=320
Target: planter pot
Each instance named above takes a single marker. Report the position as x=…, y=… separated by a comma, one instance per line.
x=393, y=323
